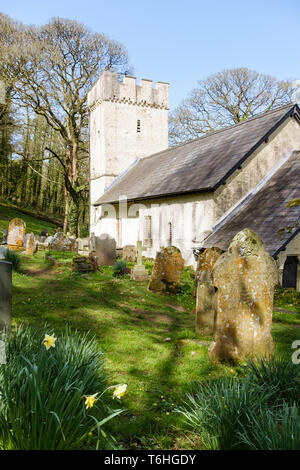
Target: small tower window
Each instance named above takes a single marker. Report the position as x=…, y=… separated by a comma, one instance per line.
x=138, y=126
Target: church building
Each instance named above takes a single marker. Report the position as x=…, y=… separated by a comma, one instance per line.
x=198, y=194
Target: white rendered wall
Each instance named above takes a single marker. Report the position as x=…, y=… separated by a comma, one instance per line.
x=192, y=217
x=115, y=143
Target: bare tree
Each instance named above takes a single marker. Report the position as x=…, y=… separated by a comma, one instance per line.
x=226, y=98
x=55, y=66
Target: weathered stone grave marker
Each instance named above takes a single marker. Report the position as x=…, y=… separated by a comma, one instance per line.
x=106, y=250
x=16, y=234
x=167, y=270
x=5, y=295
x=139, y=272
x=205, y=291
x=31, y=244
x=129, y=253
x=245, y=277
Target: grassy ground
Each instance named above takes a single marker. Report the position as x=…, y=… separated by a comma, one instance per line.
x=148, y=339
x=32, y=224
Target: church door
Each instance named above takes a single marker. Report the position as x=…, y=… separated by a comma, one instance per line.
x=289, y=278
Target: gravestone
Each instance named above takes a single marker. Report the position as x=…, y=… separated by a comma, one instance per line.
x=83, y=246
x=205, y=291
x=16, y=234
x=167, y=270
x=245, y=277
x=84, y=264
x=5, y=295
x=129, y=253
x=106, y=250
x=31, y=244
x=61, y=243
x=92, y=243
x=139, y=272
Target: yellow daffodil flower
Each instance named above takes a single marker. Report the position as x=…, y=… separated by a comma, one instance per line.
x=120, y=391
x=90, y=400
x=49, y=341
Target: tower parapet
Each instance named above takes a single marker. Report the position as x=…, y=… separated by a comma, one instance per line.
x=109, y=88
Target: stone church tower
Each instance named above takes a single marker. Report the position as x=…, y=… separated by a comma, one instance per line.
x=127, y=122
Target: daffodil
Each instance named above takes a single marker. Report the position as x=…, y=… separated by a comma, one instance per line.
x=90, y=400
x=120, y=391
x=49, y=341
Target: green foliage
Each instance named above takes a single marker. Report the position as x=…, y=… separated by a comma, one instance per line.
x=120, y=268
x=277, y=372
x=42, y=391
x=273, y=429
x=287, y=298
x=219, y=410
x=258, y=411
x=14, y=258
x=35, y=225
x=132, y=325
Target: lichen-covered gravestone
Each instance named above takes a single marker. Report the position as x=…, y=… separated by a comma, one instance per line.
x=31, y=244
x=245, y=277
x=62, y=243
x=106, y=250
x=205, y=291
x=84, y=264
x=5, y=295
x=16, y=234
x=129, y=253
x=167, y=270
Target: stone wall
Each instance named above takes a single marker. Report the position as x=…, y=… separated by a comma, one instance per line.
x=240, y=184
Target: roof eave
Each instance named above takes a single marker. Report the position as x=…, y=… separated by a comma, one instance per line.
x=158, y=196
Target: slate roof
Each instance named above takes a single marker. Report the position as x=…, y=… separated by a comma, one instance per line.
x=199, y=165
x=266, y=211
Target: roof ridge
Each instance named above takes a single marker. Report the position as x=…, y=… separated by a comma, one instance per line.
x=217, y=131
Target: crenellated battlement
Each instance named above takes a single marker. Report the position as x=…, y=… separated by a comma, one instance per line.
x=109, y=88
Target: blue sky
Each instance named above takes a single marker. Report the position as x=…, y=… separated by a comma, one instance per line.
x=183, y=41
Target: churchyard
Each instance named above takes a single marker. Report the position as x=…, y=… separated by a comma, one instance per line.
x=151, y=343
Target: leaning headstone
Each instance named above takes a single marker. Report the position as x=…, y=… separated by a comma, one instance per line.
x=167, y=270
x=5, y=295
x=245, y=277
x=139, y=272
x=16, y=234
x=31, y=244
x=205, y=291
x=106, y=250
x=129, y=253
